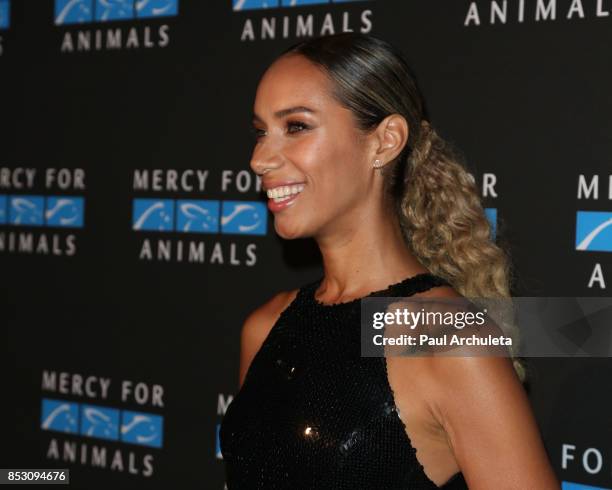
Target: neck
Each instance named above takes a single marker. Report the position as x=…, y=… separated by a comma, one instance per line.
x=363, y=254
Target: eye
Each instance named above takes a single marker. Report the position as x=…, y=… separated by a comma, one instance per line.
x=256, y=132
x=297, y=124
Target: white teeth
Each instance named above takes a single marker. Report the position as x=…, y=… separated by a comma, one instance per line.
x=281, y=199
x=283, y=192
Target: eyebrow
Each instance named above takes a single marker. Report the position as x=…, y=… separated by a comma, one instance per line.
x=285, y=112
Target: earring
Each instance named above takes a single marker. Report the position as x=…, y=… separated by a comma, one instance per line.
x=377, y=164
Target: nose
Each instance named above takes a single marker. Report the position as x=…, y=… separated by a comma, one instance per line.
x=265, y=158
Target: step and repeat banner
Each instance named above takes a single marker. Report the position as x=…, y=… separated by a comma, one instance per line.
x=135, y=239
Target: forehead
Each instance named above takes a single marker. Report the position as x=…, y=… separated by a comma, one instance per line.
x=293, y=80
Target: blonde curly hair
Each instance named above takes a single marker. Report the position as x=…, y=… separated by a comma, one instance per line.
x=436, y=199
x=445, y=226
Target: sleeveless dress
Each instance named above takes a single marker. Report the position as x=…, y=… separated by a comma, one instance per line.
x=313, y=414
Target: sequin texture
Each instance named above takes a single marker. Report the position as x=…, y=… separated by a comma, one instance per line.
x=313, y=414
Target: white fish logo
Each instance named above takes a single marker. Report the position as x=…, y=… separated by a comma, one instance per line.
x=239, y=210
x=142, y=427
x=155, y=11
x=121, y=8
x=159, y=207
x=99, y=421
x=63, y=206
x=25, y=209
x=62, y=410
x=83, y=13
x=584, y=244
x=198, y=215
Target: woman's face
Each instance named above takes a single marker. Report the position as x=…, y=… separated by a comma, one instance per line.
x=309, y=141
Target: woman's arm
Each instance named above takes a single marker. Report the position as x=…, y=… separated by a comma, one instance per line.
x=257, y=326
x=487, y=416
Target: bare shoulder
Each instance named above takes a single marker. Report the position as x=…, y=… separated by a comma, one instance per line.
x=439, y=292
x=259, y=322
x=257, y=326
x=473, y=368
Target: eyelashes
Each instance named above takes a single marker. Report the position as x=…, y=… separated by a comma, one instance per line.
x=255, y=132
x=298, y=124
x=291, y=125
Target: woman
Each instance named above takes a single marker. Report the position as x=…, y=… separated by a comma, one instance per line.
x=347, y=157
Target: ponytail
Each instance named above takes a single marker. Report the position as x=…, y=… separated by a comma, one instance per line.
x=445, y=226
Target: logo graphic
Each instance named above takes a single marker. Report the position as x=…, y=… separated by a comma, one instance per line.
x=26, y=210
x=568, y=485
x=5, y=14
x=218, y=452
x=238, y=5
x=52, y=211
x=98, y=422
x=200, y=216
x=197, y=216
x=594, y=231
x=64, y=211
x=244, y=217
x=141, y=428
x=59, y=416
x=153, y=214
x=86, y=11
x=491, y=214
x=2, y=209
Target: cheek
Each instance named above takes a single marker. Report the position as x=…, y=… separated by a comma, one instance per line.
x=311, y=151
x=347, y=159
x=329, y=154
x=341, y=178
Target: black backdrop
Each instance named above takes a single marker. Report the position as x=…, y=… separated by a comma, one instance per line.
x=114, y=321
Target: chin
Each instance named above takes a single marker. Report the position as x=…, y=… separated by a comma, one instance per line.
x=287, y=232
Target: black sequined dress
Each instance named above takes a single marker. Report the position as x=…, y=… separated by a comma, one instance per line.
x=313, y=414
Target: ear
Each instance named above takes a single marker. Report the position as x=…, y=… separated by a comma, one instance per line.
x=390, y=138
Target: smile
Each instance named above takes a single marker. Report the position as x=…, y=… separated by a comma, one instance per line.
x=282, y=193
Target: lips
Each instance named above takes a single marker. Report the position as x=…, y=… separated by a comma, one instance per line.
x=276, y=206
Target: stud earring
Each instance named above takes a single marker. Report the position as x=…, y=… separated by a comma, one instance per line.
x=377, y=164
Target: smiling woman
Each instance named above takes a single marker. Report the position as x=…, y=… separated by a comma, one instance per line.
x=348, y=157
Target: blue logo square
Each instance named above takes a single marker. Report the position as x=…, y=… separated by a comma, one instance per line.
x=114, y=10
x=3, y=201
x=201, y=216
x=594, y=231
x=100, y=422
x=140, y=428
x=153, y=215
x=73, y=11
x=218, y=452
x=5, y=14
x=298, y=3
x=491, y=214
x=64, y=211
x=568, y=485
x=59, y=416
x=244, y=217
x=156, y=8
x=26, y=210
x=238, y=5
